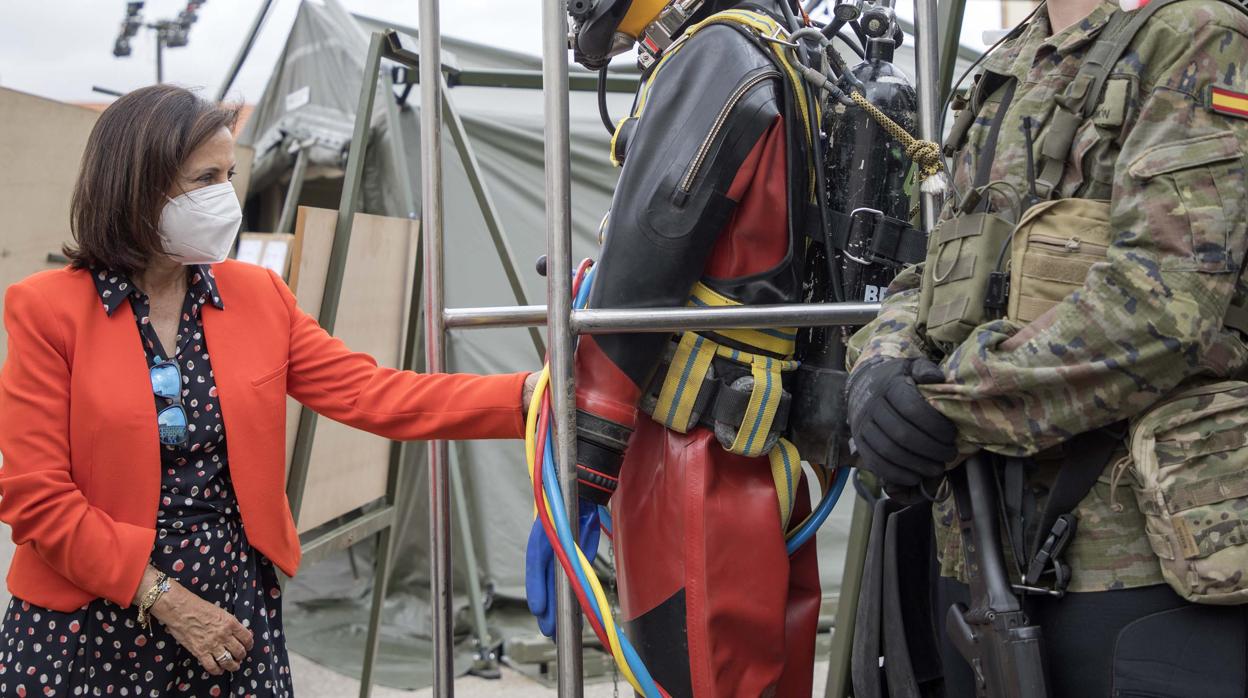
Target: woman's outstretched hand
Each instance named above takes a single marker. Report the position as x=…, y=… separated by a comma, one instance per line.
x=526, y=395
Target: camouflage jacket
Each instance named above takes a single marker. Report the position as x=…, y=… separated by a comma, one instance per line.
x=1145, y=321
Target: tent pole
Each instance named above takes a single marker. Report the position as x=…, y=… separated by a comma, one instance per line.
x=951, y=14
x=286, y=222
x=488, y=211
x=385, y=538
x=559, y=294
x=381, y=578
x=402, y=174
x=243, y=50
x=485, y=663
x=435, y=349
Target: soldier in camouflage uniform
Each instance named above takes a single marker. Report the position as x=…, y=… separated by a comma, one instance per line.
x=1144, y=322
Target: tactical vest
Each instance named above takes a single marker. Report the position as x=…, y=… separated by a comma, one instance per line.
x=1188, y=454
x=986, y=264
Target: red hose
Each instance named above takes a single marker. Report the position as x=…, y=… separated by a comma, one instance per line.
x=543, y=515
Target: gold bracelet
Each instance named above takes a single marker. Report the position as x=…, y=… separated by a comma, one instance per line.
x=150, y=598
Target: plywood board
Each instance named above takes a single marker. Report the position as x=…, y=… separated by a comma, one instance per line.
x=41, y=147
x=348, y=467
x=269, y=250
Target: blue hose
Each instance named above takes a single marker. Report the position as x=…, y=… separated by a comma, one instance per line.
x=550, y=483
x=604, y=520
x=807, y=530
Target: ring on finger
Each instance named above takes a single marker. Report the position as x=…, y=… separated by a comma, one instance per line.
x=225, y=656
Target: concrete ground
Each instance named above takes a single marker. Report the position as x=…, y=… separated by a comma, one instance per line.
x=313, y=680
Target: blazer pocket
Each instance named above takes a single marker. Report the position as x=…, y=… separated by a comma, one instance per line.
x=269, y=376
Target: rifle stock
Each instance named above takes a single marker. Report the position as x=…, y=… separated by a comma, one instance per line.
x=994, y=635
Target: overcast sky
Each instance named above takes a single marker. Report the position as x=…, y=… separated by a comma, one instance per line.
x=61, y=48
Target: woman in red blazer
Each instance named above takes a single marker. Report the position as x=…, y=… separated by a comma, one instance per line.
x=142, y=425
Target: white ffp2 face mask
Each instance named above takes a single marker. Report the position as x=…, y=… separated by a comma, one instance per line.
x=199, y=226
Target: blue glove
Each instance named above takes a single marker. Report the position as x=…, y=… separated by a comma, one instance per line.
x=540, y=563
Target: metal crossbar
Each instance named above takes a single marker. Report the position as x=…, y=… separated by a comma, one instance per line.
x=613, y=321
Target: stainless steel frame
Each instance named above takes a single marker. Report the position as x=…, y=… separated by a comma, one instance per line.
x=927, y=81
x=561, y=335
x=563, y=323
x=435, y=349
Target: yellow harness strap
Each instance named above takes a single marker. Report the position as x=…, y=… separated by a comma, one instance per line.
x=685, y=376
x=779, y=342
x=684, y=381
x=786, y=472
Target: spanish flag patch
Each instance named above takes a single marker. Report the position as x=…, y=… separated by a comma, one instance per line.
x=1228, y=102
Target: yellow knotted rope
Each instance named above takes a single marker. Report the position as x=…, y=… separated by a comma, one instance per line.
x=925, y=154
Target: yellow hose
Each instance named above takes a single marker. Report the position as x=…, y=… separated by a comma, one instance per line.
x=530, y=454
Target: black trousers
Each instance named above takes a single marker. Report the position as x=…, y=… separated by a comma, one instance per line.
x=1132, y=643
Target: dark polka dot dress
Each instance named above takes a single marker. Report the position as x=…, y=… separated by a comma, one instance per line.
x=100, y=650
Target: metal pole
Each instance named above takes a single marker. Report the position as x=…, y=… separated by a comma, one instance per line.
x=385, y=539
x=381, y=579
x=304, y=435
x=927, y=65
x=532, y=80
x=160, y=56
x=494, y=317
x=486, y=204
x=484, y=664
x=607, y=321
x=243, y=50
x=951, y=14
x=435, y=350
x=847, y=605
x=286, y=222
x=398, y=151
x=559, y=297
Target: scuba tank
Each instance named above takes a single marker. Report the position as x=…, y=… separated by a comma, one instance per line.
x=868, y=181
x=867, y=172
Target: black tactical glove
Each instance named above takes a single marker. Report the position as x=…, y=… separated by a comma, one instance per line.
x=901, y=438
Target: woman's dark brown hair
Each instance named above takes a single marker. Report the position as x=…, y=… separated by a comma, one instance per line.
x=132, y=159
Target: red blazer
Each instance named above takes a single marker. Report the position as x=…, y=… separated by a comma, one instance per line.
x=81, y=472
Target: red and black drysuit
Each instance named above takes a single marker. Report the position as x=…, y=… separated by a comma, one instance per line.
x=719, y=194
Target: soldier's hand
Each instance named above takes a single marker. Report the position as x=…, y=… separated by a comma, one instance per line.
x=901, y=438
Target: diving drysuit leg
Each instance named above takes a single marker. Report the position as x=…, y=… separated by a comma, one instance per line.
x=711, y=600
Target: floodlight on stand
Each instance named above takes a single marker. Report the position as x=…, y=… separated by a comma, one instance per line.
x=176, y=37
x=121, y=48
